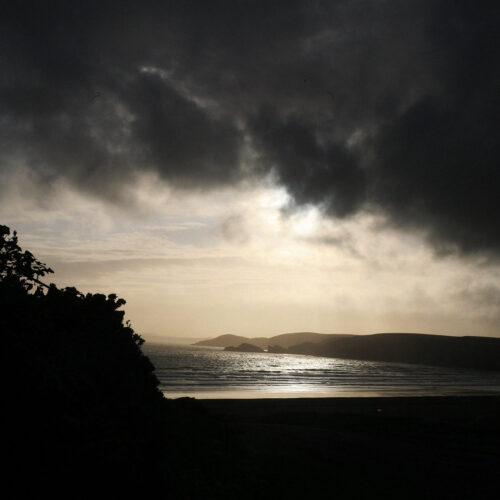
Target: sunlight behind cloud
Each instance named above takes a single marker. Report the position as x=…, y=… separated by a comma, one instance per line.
x=305, y=222
x=243, y=260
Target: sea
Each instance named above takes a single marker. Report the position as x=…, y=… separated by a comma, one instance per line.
x=208, y=372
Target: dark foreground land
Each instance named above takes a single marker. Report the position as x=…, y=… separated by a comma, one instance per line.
x=421, y=447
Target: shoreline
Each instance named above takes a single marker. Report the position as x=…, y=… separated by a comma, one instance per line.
x=339, y=394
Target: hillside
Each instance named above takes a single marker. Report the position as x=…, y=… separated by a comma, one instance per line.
x=435, y=350
x=244, y=348
x=289, y=339
x=284, y=340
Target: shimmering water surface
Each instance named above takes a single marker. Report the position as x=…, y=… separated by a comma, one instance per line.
x=210, y=372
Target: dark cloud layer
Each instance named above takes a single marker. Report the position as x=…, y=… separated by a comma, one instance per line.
x=352, y=105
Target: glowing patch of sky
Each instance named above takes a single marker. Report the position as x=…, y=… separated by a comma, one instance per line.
x=241, y=261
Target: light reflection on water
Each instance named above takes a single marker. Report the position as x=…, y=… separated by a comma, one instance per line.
x=208, y=372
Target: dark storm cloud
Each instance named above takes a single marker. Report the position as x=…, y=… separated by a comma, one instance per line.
x=309, y=169
x=184, y=142
x=351, y=105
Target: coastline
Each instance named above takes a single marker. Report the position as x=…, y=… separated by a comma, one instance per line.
x=346, y=393
x=207, y=373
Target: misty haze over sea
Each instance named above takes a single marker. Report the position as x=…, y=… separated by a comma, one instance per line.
x=211, y=372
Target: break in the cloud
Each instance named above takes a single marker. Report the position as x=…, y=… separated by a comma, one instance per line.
x=232, y=260
x=352, y=106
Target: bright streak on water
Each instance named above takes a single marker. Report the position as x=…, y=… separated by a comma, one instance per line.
x=210, y=372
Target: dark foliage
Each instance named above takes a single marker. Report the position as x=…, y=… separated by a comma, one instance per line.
x=18, y=267
x=82, y=401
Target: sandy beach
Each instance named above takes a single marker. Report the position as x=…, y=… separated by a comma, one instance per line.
x=434, y=408
x=419, y=447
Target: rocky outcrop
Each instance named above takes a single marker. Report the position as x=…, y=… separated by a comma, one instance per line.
x=244, y=348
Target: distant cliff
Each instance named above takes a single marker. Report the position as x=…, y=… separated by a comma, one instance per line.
x=277, y=349
x=482, y=353
x=244, y=348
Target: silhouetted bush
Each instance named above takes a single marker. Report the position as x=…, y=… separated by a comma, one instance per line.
x=82, y=400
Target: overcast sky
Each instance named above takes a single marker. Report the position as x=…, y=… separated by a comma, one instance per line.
x=259, y=167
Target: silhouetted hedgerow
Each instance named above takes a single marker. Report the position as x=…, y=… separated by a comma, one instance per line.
x=82, y=400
